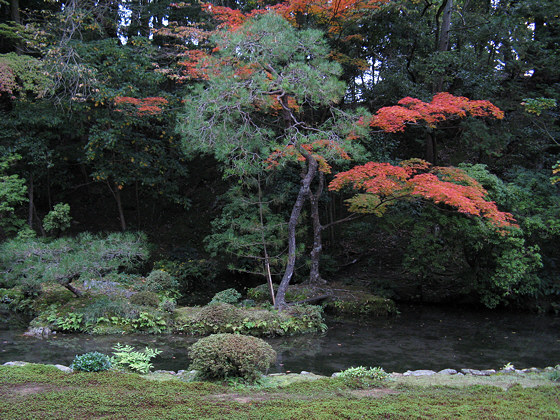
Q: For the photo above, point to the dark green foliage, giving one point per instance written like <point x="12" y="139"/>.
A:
<point x="223" y="356"/>
<point x="65" y="260"/>
<point x="91" y="362"/>
<point x="145" y="299"/>
<point x="230" y="296"/>
<point x="365" y="305"/>
<point x="12" y="195"/>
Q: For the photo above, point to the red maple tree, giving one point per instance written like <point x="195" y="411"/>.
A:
<point x="444" y="106"/>
<point x="384" y="183"/>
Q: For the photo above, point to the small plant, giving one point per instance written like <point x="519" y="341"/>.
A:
<point x="230" y="296"/>
<point x="91" y="362"/>
<point x="362" y="377"/>
<point x="70" y="322"/>
<point x="126" y="358"/>
<point x="149" y="322"/>
<point x="508" y="367"/>
<point x="554" y="375"/>
<point x="223" y="356"/>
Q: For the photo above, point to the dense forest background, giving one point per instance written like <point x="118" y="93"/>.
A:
<point x="102" y="110"/>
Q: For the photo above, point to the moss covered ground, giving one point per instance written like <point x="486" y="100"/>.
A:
<point x="38" y="391"/>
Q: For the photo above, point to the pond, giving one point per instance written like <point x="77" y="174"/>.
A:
<point x="419" y="338"/>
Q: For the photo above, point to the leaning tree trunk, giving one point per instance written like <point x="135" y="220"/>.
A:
<point x="314" y="273"/>
<point x="292" y="224"/>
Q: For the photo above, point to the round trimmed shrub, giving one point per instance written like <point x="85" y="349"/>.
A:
<point x="221" y="356"/>
<point x="145" y="299"/>
<point x="159" y="280"/>
<point x="216" y="316"/>
<point x="91" y="362"/>
<point x="230" y="296"/>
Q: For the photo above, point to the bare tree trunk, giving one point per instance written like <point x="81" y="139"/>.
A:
<point x="30" y="204"/>
<point x="292" y="224"/>
<point x="117" y="195"/>
<point x="431" y="148"/>
<point x="265" y="250"/>
<point x="316" y="251"/>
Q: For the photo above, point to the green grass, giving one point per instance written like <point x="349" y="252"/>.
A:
<point x="37" y="391"/>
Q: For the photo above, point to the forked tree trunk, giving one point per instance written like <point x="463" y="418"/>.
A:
<point x="292" y="224"/>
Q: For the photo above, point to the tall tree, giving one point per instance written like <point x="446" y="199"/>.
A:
<point x="272" y="88"/>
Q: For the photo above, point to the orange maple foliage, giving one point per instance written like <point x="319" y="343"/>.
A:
<point x="417" y="178"/>
<point x="443" y="106"/>
<point x="335" y="14"/>
<point x="313" y="149"/>
<point x="140" y="106"/>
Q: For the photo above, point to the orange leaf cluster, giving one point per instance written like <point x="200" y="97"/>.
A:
<point x="230" y="18"/>
<point x="336" y="14"/>
<point x="417" y="178"/>
<point x="142" y="106"/>
<point x="443" y="106"/>
<point x="194" y="64"/>
<point x="312" y="148"/>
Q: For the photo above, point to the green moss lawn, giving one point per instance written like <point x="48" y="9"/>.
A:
<point x="44" y="392"/>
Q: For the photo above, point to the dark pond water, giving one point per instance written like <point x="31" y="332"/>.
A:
<point x="419" y="338"/>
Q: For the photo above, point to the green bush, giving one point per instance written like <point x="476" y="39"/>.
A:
<point x="126" y="358"/>
<point x="91" y="362"/>
<point x="222" y="356"/>
<point x="58" y="219"/>
<point x="230" y="296"/>
<point x="362" y="377"/>
<point x="145" y="298"/>
<point x="158" y="281"/>
<point x="215" y="316"/>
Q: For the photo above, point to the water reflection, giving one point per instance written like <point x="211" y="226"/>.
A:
<point x="420" y="338"/>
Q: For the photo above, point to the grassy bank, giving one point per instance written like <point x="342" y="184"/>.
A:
<point x="38" y="391"/>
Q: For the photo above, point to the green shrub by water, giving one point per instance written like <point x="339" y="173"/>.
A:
<point x="230" y="296"/>
<point x="222" y="356"/>
<point x="362" y="377"/>
<point x="91" y="362"/>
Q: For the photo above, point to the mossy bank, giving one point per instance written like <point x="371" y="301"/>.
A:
<point x="38" y="391"/>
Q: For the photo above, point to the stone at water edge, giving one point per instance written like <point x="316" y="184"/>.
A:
<point x="64" y="368"/>
<point x="476" y="372"/>
<point x="16" y="363"/>
<point x="447" y="372"/>
<point x="419" y="373"/>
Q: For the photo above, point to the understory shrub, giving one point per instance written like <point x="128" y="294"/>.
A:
<point x="91" y="362"/>
<point x="230" y="296"/>
<point x="160" y="281"/>
<point x="222" y="356"/>
<point x="126" y="358"/>
<point x="145" y="298"/>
